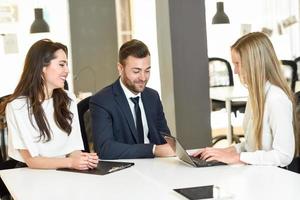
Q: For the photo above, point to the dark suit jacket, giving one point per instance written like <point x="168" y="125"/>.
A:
<point x="114" y="132"/>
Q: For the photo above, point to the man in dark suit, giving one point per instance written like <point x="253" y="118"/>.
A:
<point x="127" y="117"/>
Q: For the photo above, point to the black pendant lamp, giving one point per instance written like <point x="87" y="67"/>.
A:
<point x="220" y="17"/>
<point x="39" y="25"/>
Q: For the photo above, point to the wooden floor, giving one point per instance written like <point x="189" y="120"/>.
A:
<point x="219" y="125"/>
<point x="223" y="131"/>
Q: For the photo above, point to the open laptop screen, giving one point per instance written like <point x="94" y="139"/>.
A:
<point x="184" y="156"/>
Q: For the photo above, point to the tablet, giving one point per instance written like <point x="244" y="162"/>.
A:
<point x="200" y="192"/>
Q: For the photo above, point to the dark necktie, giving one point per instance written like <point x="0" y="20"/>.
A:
<point x="138" y="119"/>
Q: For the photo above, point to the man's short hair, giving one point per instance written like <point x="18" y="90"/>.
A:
<point x="135" y="48"/>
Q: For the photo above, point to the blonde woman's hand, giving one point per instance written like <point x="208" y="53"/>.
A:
<point x="225" y="155"/>
<point x="198" y="152"/>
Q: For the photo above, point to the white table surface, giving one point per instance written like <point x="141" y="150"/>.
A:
<point x="153" y="179"/>
<point x="228" y="94"/>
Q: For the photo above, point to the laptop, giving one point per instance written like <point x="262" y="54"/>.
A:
<point x="184" y="156"/>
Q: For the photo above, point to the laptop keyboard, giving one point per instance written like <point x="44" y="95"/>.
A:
<point x="203" y="163"/>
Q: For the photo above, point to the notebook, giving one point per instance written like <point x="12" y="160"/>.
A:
<point x="104" y="167"/>
<point x="184" y="156"/>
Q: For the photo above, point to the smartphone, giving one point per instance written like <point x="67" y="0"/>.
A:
<point x="200" y="192"/>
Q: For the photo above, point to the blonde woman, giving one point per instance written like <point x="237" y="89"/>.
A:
<point x="269" y="118"/>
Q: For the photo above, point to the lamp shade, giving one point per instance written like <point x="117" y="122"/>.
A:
<point x="39" y="25"/>
<point x="220" y="17"/>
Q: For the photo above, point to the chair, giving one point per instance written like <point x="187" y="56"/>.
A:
<point x="220" y="72"/>
<point x="220" y="75"/>
<point x="5" y="162"/>
<point x="295" y="165"/>
<point x="290" y="72"/>
<point x="85" y="122"/>
<point x="3" y="132"/>
<point x="297" y="60"/>
<point x="3" y="136"/>
<point x="66" y="85"/>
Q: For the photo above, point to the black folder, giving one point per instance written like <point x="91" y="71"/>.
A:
<point x="104" y="167"/>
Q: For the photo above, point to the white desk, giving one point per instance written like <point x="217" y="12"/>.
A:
<point x="30" y="184"/>
<point x="153" y="179"/>
<point x="228" y="94"/>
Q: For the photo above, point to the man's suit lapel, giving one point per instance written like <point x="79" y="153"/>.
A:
<point x="123" y="104"/>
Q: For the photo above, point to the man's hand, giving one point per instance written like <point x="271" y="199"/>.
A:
<point x="171" y="141"/>
<point x="163" y="150"/>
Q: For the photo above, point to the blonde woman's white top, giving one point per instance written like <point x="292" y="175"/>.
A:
<point x="278" y="141"/>
<point x="22" y="135"/>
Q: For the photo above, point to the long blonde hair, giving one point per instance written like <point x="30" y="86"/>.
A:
<point x="259" y="64"/>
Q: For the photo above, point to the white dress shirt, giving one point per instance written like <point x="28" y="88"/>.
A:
<point x="278" y="141"/>
<point x="22" y="135"/>
<point x="129" y="95"/>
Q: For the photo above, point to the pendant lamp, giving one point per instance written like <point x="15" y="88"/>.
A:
<point x="220" y="17"/>
<point x="39" y="25"/>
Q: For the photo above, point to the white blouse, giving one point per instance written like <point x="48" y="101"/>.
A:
<point x="278" y="141"/>
<point x="22" y="135"/>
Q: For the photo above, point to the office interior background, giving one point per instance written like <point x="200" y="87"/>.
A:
<point x="93" y="30"/>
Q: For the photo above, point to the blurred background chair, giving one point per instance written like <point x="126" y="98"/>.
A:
<point x="290" y="72"/>
<point x="220" y="75"/>
<point x="220" y="72"/>
<point x="85" y="123"/>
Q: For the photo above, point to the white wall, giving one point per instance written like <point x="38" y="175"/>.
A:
<point x="56" y="13"/>
<point x="258" y="13"/>
<point x="144" y="29"/>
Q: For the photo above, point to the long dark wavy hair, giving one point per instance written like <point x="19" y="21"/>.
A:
<point x="32" y="86"/>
